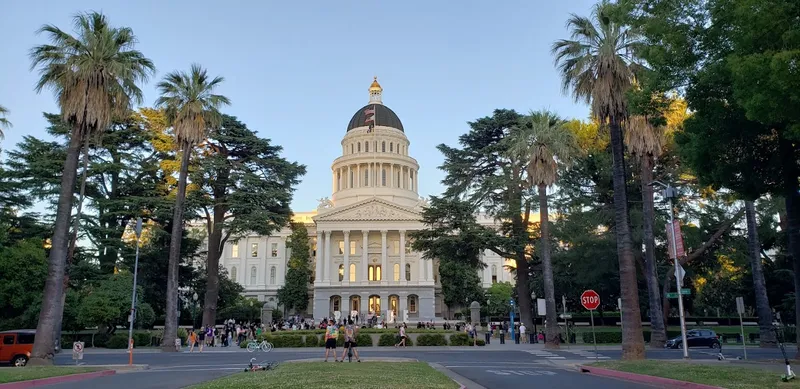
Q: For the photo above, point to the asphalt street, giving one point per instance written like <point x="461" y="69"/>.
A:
<point x="491" y="367"/>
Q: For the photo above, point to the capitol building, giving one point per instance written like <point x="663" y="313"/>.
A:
<point x="362" y="258"/>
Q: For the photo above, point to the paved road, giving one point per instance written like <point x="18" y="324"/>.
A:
<point x="518" y="366"/>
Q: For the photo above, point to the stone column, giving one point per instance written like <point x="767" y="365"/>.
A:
<point x="364" y="258"/>
<point x="327" y="267"/>
<point x="391" y="175"/>
<point x="421" y="277"/>
<point x="346" y="279"/>
<point x="384" y="269"/>
<point x="318" y="276"/>
<point x="403" y="257"/>
<point x="403" y="296"/>
<point x="429" y="264"/>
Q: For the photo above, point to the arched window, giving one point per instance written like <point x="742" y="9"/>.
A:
<point x="272" y="272"/>
<point x="233" y="273"/>
<point x="336" y="303"/>
<point x="366" y="177"/>
<point x="396" y="272"/>
<point x="355" y="303"/>
<point x="352" y="272"/>
<point x="341" y="273"/>
<point x="366" y="147"/>
<point x="412" y="304"/>
<point x="408" y="272"/>
<point x="253" y="273"/>
<point x="352" y="179"/>
<point x="494" y="274"/>
<point x="383" y="177"/>
<point x="358" y="147"/>
<point x="374" y="272"/>
<point x="391" y="147"/>
<point x="394" y="303"/>
<point x="383" y="147"/>
<point x="375" y="304"/>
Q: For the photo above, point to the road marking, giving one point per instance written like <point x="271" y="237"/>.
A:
<point x="587" y="354"/>
<point x="521" y="372"/>
<point x="544" y="354"/>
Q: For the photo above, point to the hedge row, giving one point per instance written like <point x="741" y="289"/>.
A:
<point x="365" y="340"/>
<point x="364" y="331"/>
<point x="117" y="341"/>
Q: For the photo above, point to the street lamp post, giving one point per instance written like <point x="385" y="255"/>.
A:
<point x="670" y="193"/>
<point x="194" y="309"/>
<point x="535" y="334"/>
<point x="138" y="232"/>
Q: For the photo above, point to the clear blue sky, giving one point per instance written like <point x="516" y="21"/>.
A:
<point x="296" y="72"/>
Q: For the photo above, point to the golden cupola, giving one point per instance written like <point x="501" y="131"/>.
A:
<point x="375" y="92"/>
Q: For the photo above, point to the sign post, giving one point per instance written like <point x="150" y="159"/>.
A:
<point x="591" y="300"/>
<point x="77" y="351"/>
<point x="740" y="309"/>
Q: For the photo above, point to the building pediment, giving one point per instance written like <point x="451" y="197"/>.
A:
<point x="374" y="209"/>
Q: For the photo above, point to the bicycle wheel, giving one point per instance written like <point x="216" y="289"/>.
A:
<point x="266" y="347"/>
<point x="252" y="346"/>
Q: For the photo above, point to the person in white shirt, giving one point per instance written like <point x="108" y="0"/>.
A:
<point x="522" y="334"/>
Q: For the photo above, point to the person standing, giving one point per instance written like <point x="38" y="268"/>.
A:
<point x="502" y="333"/>
<point x="522" y="337"/>
<point x="402" y="336"/>
<point x="202" y="338"/>
<point x="350" y="340"/>
<point x="331" y="333"/>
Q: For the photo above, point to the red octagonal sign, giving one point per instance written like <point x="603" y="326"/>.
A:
<point x="590" y="300"/>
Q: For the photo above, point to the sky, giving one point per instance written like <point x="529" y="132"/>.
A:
<point x="297" y="72"/>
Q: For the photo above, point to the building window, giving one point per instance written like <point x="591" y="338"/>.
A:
<point x="254" y="250"/>
<point x="274" y="250"/>
<point x="272" y="272"/>
<point x="394" y="301"/>
<point x="341" y="273"/>
<point x="391" y="147"/>
<point x="358" y="147"/>
<point x="383" y="147"/>
<point x="233" y="273"/>
<point x="366" y="177"/>
<point x="355" y="303"/>
<point x="351" y="148"/>
<point x="494" y="274"/>
<point x="408" y="246"/>
<point x="375" y="304"/>
<point x="341" y="247"/>
<point x="366" y="147"/>
<point x="352" y="247"/>
<point x="336" y="303"/>
<point x="408" y="272"/>
<point x="235" y="250"/>
<point x="412" y="304"/>
<point x="383" y="177"/>
<point x="253" y="273"/>
<point x="352" y="272"/>
<point x="396" y="247"/>
<point x="374" y="272"/>
<point x="396" y="272"/>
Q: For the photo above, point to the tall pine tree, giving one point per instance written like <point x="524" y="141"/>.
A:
<point x="294" y="293"/>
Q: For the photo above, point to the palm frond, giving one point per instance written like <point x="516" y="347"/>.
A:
<point x="4" y="123"/>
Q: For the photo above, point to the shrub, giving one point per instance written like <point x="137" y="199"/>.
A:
<point x="364" y="340"/>
<point x="460" y="339"/>
<point x="603" y="337"/>
<point x="311" y="341"/>
<point x="118" y="341"/>
<point x="481" y="342"/>
<point x="141" y="339"/>
<point x="286" y="341"/>
<point x="183" y="334"/>
<point x="431" y="340"/>
<point x="389" y="339"/>
<point x="100" y="339"/>
<point x="244" y="344"/>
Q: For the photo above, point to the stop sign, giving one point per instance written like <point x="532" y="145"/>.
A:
<point x="590" y="300"/>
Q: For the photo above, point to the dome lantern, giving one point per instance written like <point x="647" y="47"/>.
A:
<point x="375" y="92"/>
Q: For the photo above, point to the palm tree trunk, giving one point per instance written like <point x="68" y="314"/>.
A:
<point x="632" y="339"/>
<point x="792" y="201"/>
<point x="73" y="241"/>
<point x="43" y="346"/>
<point x="551" y="327"/>
<point x="658" y="332"/>
<point x="171" y="314"/>
<point x="766" y="336"/>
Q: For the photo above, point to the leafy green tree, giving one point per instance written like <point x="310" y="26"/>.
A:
<point x="94" y="75"/>
<point x="108" y="304"/>
<point x="244" y="186"/>
<point x="24" y="268"/>
<point x="192" y="109"/>
<point x="596" y="67"/>
<point x="460" y="282"/>
<point x="229" y="290"/>
<point x="498" y="298"/>
<point x="545" y="142"/>
<point x="293" y="295"/>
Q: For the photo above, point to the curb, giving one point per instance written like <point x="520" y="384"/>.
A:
<point x="463" y="382"/>
<point x="645" y="379"/>
<point x="56" y="380"/>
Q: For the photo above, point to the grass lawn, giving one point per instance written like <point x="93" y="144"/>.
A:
<point x="14" y="374"/>
<point x="367" y="375"/>
<point x="716" y="374"/>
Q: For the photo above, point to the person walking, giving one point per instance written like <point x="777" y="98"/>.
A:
<point x="331" y="333"/>
<point x="201" y="334"/>
<point x="402" y="336"/>
<point x="192" y="339"/>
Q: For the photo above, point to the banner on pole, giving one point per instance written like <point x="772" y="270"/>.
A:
<point x="675" y="230"/>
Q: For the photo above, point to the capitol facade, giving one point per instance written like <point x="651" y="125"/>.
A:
<point x="363" y="263"/>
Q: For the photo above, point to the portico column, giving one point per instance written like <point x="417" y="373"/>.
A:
<point x="346" y="279"/>
<point x="402" y="257"/>
<point x="421" y="263"/>
<point x="318" y="276"/>
<point x="384" y="269"/>
<point x="430" y="270"/>
<point x="364" y="252"/>
<point x="327" y="269"/>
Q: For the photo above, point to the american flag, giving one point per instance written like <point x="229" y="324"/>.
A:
<point x="370" y="115"/>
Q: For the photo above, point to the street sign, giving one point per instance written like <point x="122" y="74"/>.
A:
<point x="565" y="316"/>
<point x="686" y="291"/>
<point x="590" y="300"/>
<point x="541" y="307"/>
<point x="740" y="305"/>
<point x="77" y="350"/>
<point x="680" y="273"/>
<point x="675" y="232"/>
<point x="672" y="295"/>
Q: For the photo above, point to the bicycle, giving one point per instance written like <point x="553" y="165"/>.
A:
<point x="264" y="346"/>
<point x="263" y="366"/>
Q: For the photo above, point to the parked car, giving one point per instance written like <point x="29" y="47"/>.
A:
<point x="16" y="346"/>
<point x="696" y="338"/>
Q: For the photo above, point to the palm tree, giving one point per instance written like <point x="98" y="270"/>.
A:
<point x="645" y="142"/>
<point x="191" y="109"/>
<point x="596" y="67"/>
<point x="4" y="123"/>
<point x="544" y="142"/>
<point x="767" y="337"/>
<point x="94" y="75"/>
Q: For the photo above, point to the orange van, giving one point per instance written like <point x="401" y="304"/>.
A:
<point x="16" y="346"/>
